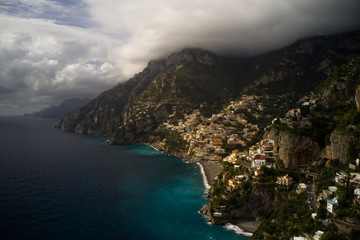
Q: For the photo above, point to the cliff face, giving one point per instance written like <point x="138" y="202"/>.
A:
<point x="332" y="126"/>
<point x="292" y="149"/>
<point x="261" y="202"/>
<point x="340" y="144"/>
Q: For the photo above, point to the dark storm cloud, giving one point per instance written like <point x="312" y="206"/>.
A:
<point x="228" y="26"/>
<point x="52" y="50"/>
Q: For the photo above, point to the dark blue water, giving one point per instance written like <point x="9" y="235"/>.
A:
<point x="56" y="185"/>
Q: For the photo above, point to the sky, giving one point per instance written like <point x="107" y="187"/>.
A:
<point x="52" y="50"/>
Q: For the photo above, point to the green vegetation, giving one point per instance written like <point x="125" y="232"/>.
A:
<point x="174" y="142"/>
<point x="349" y="70"/>
<point x="220" y="193"/>
<point x="292" y="219"/>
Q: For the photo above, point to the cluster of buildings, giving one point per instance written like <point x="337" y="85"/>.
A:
<point x="207" y="137"/>
<point x="262" y="154"/>
<point x="330" y="194"/>
<point x="294" y="116"/>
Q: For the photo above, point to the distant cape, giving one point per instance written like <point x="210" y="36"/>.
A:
<point x="60" y="110"/>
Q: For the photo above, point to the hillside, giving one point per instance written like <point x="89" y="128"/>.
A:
<point x="198" y="79"/>
<point x="279" y="128"/>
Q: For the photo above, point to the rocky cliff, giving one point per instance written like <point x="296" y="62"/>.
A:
<point x="293" y="150"/>
<point x="260" y="203"/>
<point x="331" y="128"/>
<point x="340" y="141"/>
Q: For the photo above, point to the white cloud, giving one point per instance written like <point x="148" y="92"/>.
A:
<point x="40" y="58"/>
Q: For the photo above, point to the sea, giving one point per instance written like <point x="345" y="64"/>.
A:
<point x="59" y="185"/>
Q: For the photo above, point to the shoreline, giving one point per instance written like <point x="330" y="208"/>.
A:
<point x="247" y="226"/>
<point x="239" y="229"/>
<point x="156" y="148"/>
<point x="209" y="171"/>
<point x="205" y="178"/>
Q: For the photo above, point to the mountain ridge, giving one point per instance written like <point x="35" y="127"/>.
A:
<point x="196" y="78"/>
<point x="58" y="111"/>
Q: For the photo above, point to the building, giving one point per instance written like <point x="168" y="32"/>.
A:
<point x="332" y="205"/>
<point x="355" y="178"/>
<point x="340" y="177"/>
<point x="285" y="180"/>
<point x="301" y="188"/>
<point x="258" y="160"/>
<point x="357" y="193"/>
<point x="298" y="238"/>
<point x="317" y="235"/>
<point x="241" y="177"/>
<point x="233" y="157"/>
<point x="233" y="184"/>
<point x="332" y="189"/>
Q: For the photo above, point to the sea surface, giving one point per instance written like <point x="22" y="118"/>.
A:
<point x="57" y="185"/>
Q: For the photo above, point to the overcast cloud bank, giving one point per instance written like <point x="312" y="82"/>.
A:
<point x="53" y="50"/>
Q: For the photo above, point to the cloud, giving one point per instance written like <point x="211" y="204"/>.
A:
<point x="43" y="63"/>
<point x="228" y="26"/>
<point x="55" y="49"/>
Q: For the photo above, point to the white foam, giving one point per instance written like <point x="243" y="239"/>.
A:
<point x="153" y="147"/>
<point x="205" y="218"/>
<point x="237" y="229"/>
<point x="205" y="181"/>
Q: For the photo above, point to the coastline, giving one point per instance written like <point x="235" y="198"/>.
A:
<point x="205" y="178"/>
<point x="155" y="147"/>
<point x="247" y="226"/>
<point x="210" y="170"/>
<point x="241" y="230"/>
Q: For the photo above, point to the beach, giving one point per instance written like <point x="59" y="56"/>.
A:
<point x="244" y="227"/>
<point x="211" y="169"/>
<point x="247" y="225"/>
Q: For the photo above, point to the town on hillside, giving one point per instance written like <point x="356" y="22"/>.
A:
<point x="229" y="138"/>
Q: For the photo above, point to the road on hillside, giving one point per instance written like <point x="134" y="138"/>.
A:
<point x="311" y="195"/>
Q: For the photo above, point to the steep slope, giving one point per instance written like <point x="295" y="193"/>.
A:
<point x="103" y="114"/>
<point x="198" y="79"/>
<point x="183" y="80"/>
<point x="327" y="126"/>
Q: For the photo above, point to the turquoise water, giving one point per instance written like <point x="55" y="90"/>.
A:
<point x="58" y="185"/>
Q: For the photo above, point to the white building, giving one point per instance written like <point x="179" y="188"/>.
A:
<point x="301" y="188"/>
<point x="357" y="193"/>
<point x="318" y="235"/>
<point x="332" y="205"/>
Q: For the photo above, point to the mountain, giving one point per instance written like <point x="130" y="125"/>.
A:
<point x="323" y="135"/>
<point x="198" y="79"/>
<point x="296" y="110"/>
<point x="329" y="124"/>
<point x="62" y="109"/>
